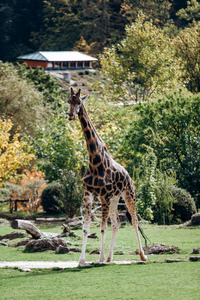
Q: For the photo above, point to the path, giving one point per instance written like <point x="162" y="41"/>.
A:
<point x="28" y="265"/>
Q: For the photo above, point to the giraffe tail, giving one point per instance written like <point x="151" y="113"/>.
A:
<point x="140" y="229"/>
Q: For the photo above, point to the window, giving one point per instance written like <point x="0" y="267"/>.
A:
<point x="72" y="64"/>
<point x="87" y="64"/>
<point x="65" y="65"/>
<point x="57" y="65"/>
<point x="80" y="64"/>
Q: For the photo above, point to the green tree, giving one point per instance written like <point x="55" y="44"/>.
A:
<point x="170" y="126"/>
<point x="142" y="64"/>
<point x="191" y="12"/>
<point x="20" y="100"/>
<point x="48" y="85"/>
<point x="55" y="149"/>
<point x="187" y="44"/>
<point x="154" y="190"/>
<point x="61" y="26"/>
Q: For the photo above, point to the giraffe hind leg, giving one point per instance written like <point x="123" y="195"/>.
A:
<point x="130" y="203"/>
<point x="115" y="224"/>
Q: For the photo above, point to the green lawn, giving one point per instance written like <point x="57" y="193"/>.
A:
<point x="153" y="280"/>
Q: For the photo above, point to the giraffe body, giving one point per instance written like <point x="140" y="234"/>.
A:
<point x="105" y="179"/>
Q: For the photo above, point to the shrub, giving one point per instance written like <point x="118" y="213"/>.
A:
<point x="52" y="198"/>
<point x="184" y="205"/>
<point x="63" y="196"/>
<point x="73" y="193"/>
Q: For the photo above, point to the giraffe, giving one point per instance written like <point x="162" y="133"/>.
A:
<point x="105" y="179"/>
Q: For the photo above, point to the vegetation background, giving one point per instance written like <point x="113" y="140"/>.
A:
<point x="144" y="102"/>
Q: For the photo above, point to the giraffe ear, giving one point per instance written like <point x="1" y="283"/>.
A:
<point x="84" y="98"/>
<point x="72" y="91"/>
<point x="78" y="93"/>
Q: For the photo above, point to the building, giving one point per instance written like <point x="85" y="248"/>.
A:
<point x="58" y="60"/>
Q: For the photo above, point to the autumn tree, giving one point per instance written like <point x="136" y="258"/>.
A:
<point x="12" y="152"/>
<point x="156" y="10"/>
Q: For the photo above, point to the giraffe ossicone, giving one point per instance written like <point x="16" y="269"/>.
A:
<point x="105" y="179"/>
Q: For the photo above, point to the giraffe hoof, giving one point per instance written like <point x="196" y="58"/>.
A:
<point x="143" y="257"/>
<point x="83" y="265"/>
<point x="108" y="260"/>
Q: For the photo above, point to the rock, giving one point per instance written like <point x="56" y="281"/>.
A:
<point x="45" y="244"/>
<point x="74" y="249"/>
<point x="12" y="236"/>
<point x="159" y="249"/>
<point x="119" y="252"/>
<point x="22" y="243"/>
<point x="170" y="260"/>
<point x="196" y="251"/>
<point x="194" y="258"/>
<point x="96" y="251"/>
<point x="195" y="219"/>
<point x="123" y="217"/>
<point x="26" y="270"/>
<point x="62" y="249"/>
<point x="92" y="236"/>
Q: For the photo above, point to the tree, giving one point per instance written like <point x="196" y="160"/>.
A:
<point x="171" y="128"/>
<point x="60" y="27"/>
<point x="48" y="85"/>
<point x="187" y="44"/>
<point x="191" y="12"/>
<point x="156" y="10"/>
<point x="19" y="100"/>
<point x="12" y="152"/>
<point x="82" y="46"/>
<point x="143" y="63"/>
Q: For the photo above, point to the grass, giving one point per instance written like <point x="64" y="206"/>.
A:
<point x="153" y="280"/>
<point x="149" y="281"/>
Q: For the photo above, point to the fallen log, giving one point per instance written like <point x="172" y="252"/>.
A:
<point x="28" y="227"/>
<point x="32" y="229"/>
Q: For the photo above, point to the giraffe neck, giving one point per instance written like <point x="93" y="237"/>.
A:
<point x="93" y="140"/>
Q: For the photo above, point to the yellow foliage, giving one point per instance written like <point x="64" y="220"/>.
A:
<point x="12" y="154"/>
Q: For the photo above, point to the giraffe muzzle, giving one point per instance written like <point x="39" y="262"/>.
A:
<point x="71" y="117"/>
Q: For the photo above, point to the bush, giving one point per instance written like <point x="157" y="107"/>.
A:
<point x="184" y="205"/>
<point x="63" y="196"/>
<point x="52" y="198"/>
<point x="73" y="193"/>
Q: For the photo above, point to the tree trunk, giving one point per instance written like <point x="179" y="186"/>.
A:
<point x="28" y="226"/>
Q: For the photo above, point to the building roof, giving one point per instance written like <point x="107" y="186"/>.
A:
<point x="58" y="56"/>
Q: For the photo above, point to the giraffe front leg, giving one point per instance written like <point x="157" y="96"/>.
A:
<point x="88" y="198"/>
<point x="105" y="209"/>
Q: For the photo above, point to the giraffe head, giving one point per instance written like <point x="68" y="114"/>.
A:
<point x="75" y="101"/>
